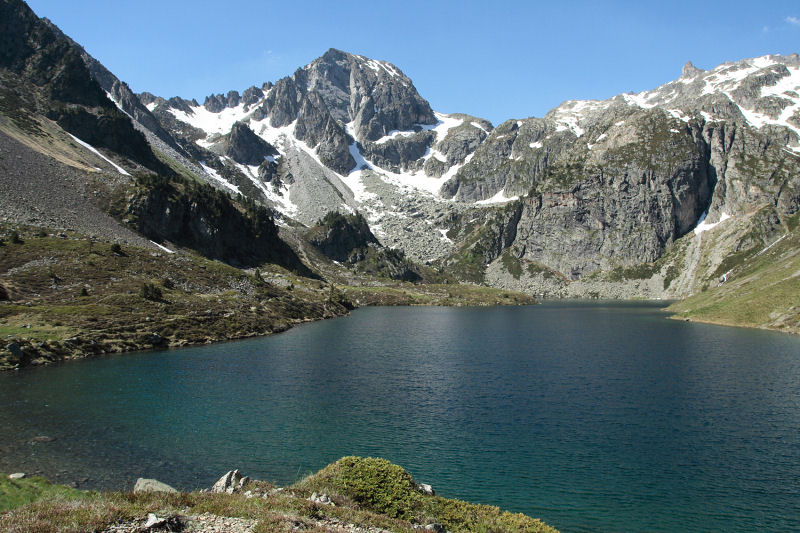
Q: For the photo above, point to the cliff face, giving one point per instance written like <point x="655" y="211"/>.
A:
<point x="205" y="220"/>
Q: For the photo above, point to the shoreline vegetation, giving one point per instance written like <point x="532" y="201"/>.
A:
<point x="67" y="296"/>
<point x="352" y="494"/>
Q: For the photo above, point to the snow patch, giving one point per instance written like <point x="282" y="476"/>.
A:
<point x="702" y="225"/>
<point x="163" y="248"/>
<point x="569" y="123"/>
<point x="212" y="123"/>
<point x="677" y="113"/>
<point x="151" y="106"/>
<point x="639" y="99"/>
<point x="773" y="244"/>
<point x="476" y="125"/>
<point x="537" y="144"/>
<point x="499" y="198"/>
<point x="708" y="116"/>
<point x="94" y="150"/>
<point x="394" y="134"/>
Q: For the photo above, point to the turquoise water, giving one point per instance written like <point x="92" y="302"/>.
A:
<point x="591" y="416"/>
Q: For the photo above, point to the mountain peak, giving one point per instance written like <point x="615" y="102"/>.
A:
<point x="690" y="71"/>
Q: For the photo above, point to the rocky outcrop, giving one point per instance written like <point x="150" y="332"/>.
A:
<point x="338" y="236"/>
<point x="246" y="147"/>
<point x="232" y="481"/>
<point x="206" y="220"/>
<point x="399" y="154"/>
<point x="348" y="239"/>
<point x="118" y="91"/>
<point x="217" y="102"/>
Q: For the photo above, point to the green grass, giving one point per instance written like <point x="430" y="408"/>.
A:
<point x="18" y="492"/>
<point x="512" y="264"/>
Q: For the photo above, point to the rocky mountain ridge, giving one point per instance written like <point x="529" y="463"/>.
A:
<point x="604" y="184"/>
<point x="558" y="205"/>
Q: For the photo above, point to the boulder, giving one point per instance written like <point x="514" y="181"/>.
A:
<point x="151" y="485"/>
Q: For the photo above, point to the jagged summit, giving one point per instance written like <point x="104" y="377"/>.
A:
<point x="689" y="70"/>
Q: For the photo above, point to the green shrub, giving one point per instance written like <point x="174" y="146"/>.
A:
<point x="374" y="483"/>
<point x="150" y="292"/>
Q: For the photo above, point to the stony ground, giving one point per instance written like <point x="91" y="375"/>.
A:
<point x="41" y="191"/>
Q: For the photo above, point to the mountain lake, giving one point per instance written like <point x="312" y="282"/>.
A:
<point x="593" y="416"/>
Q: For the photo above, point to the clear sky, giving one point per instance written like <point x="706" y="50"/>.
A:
<point x="497" y="60"/>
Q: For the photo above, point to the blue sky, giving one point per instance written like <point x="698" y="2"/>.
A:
<point x="499" y="60"/>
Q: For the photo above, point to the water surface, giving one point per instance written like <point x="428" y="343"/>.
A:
<point x="592" y="416"/>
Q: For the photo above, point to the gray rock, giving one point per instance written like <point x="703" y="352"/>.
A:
<point x="426" y="489"/>
<point x="246" y="147"/>
<point x="231" y="482"/>
<point x="322" y="499"/>
<point x="151" y="485"/>
<point x="252" y="95"/>
<point x="690" y="71"/>
<point x="155" y="339"/>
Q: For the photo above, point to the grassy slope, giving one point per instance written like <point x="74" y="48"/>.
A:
<point x="80" y="297"/>
<point x="366" y="492"/>
<point x="762" y="291"/>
